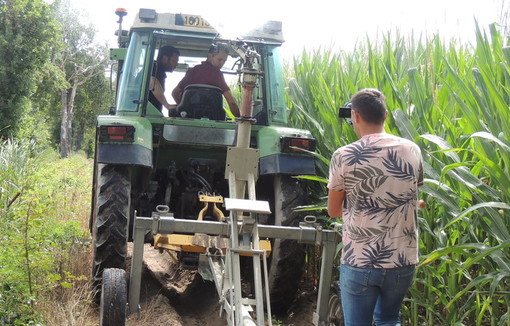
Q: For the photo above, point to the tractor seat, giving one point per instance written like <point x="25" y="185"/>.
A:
<point x="202" y="101"/>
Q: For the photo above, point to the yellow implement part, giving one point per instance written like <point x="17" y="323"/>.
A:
<point x="176" y="242"/>
<point x="214" y="200"/>
<point x="199" y="243"/>
<point x="211" y="199"/>
<point x="202" y="212"/>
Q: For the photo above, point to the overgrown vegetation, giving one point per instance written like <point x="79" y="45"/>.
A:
<point x="51" y="80"/>
<point x="42" y="202"/>
<point x="51" y="75"/>
<point x="453" y="100"/>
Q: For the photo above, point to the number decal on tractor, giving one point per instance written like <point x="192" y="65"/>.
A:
<point x="191" y="20"/>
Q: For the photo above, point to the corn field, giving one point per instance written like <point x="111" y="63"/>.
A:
<point x="453" y="100"/>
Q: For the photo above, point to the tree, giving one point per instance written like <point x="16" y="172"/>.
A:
<point x="28" y="38"/>
<point x="81" y="61"/>
<point x="92" y="99"/>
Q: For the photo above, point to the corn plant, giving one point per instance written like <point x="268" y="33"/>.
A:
<point x="453" y="100"/>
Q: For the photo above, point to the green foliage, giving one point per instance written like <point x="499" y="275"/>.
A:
<point x="453" y="101"/>
<point x="45" y="50"/>
<point x="93" y="98"/>
<point x="41" y="199"/>
<point x="28" y="38"/>
<point x="81" y="62"/>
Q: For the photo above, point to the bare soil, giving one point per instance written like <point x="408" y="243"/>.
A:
<point x="172" y="295"/>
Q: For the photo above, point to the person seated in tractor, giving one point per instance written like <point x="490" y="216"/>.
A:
<point x="168" y="58"/>
<point x="209" y="73"/>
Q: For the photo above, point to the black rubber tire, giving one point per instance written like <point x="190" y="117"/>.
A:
<point x="335" y="316"/>
<point x="113" y="298"/>
<point x="287" y="258"/>
<point x="111" y="220"/>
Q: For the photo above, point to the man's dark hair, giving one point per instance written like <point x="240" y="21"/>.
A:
<point x="219" y="47"/>
<point x="167" y="51"/>
<point x="370" y="103"/>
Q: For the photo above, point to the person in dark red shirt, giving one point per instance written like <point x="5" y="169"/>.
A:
<point x="209" y="73"/>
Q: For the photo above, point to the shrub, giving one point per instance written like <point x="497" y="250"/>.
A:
<point x="42" y="201"/>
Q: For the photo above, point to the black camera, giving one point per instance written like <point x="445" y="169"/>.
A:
<point x="345" y="111"/>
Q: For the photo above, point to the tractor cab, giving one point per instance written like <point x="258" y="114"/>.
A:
<point x="193" y="36"/>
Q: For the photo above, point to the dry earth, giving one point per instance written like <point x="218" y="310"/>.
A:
<point x="171" y="295"/>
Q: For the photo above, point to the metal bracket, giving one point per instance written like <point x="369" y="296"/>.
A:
<point x="242" y="161"/>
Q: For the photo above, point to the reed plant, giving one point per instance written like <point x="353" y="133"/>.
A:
<point x="454" y="101"/>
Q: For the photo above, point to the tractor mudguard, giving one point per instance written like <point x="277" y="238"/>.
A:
<point x="124" y="140"/>
<point x="124" y="154"/>
<point x="287" y="164"/>
<point x="274" y="159"/>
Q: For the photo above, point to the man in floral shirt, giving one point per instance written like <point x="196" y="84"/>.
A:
<point x="373" y="185"/>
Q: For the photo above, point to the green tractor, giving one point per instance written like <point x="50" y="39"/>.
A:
<point x="145" y="160"/>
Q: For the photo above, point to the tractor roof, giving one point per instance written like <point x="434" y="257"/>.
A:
<point x="196" y="26"/>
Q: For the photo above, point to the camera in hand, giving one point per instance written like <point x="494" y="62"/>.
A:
<point x="345" y="111"/>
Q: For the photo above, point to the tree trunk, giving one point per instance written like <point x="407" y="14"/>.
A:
<point x="63" y="123"/>
<point x="78" y="135"/>
<point x="67" y="120"/>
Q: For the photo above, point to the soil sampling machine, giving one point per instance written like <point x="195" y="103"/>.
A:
<point x="219" y="192"/>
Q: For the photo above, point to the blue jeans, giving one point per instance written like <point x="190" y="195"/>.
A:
<point x="373" y="294"/>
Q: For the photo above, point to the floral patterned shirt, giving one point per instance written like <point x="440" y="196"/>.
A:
<point x="380" y="174"/>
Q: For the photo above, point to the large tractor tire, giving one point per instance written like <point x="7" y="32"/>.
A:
<point x="113" y="298"/>
<point x="111" y="220"/>
<point x="287" y="258"/>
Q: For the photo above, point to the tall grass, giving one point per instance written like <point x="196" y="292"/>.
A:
<point x="42" y="203"/>
<point x="453" y="100"/>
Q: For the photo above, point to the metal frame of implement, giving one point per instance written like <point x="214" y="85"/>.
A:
<point x="227" y="275"/>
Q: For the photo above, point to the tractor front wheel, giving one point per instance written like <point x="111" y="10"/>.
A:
<point x="113" y="297"/>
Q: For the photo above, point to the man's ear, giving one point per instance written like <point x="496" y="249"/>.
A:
<point x="355" y="116"/>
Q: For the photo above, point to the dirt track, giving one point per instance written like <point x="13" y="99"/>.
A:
<point x="184" y="299"/>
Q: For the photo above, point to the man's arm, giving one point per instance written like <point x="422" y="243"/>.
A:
<point x="177" y="94"/>
<point x="335" y="203"/>
<point x="232" y="103"/>
<point x="157" y="90"/>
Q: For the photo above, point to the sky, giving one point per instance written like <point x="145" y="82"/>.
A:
<point x="336" y="24"/>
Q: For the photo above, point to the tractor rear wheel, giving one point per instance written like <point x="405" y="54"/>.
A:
<point x="335" y="316"/>
<point x="111" y="220"/>
<point x="113" y="297"/>
<point x="287" y="256"/>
